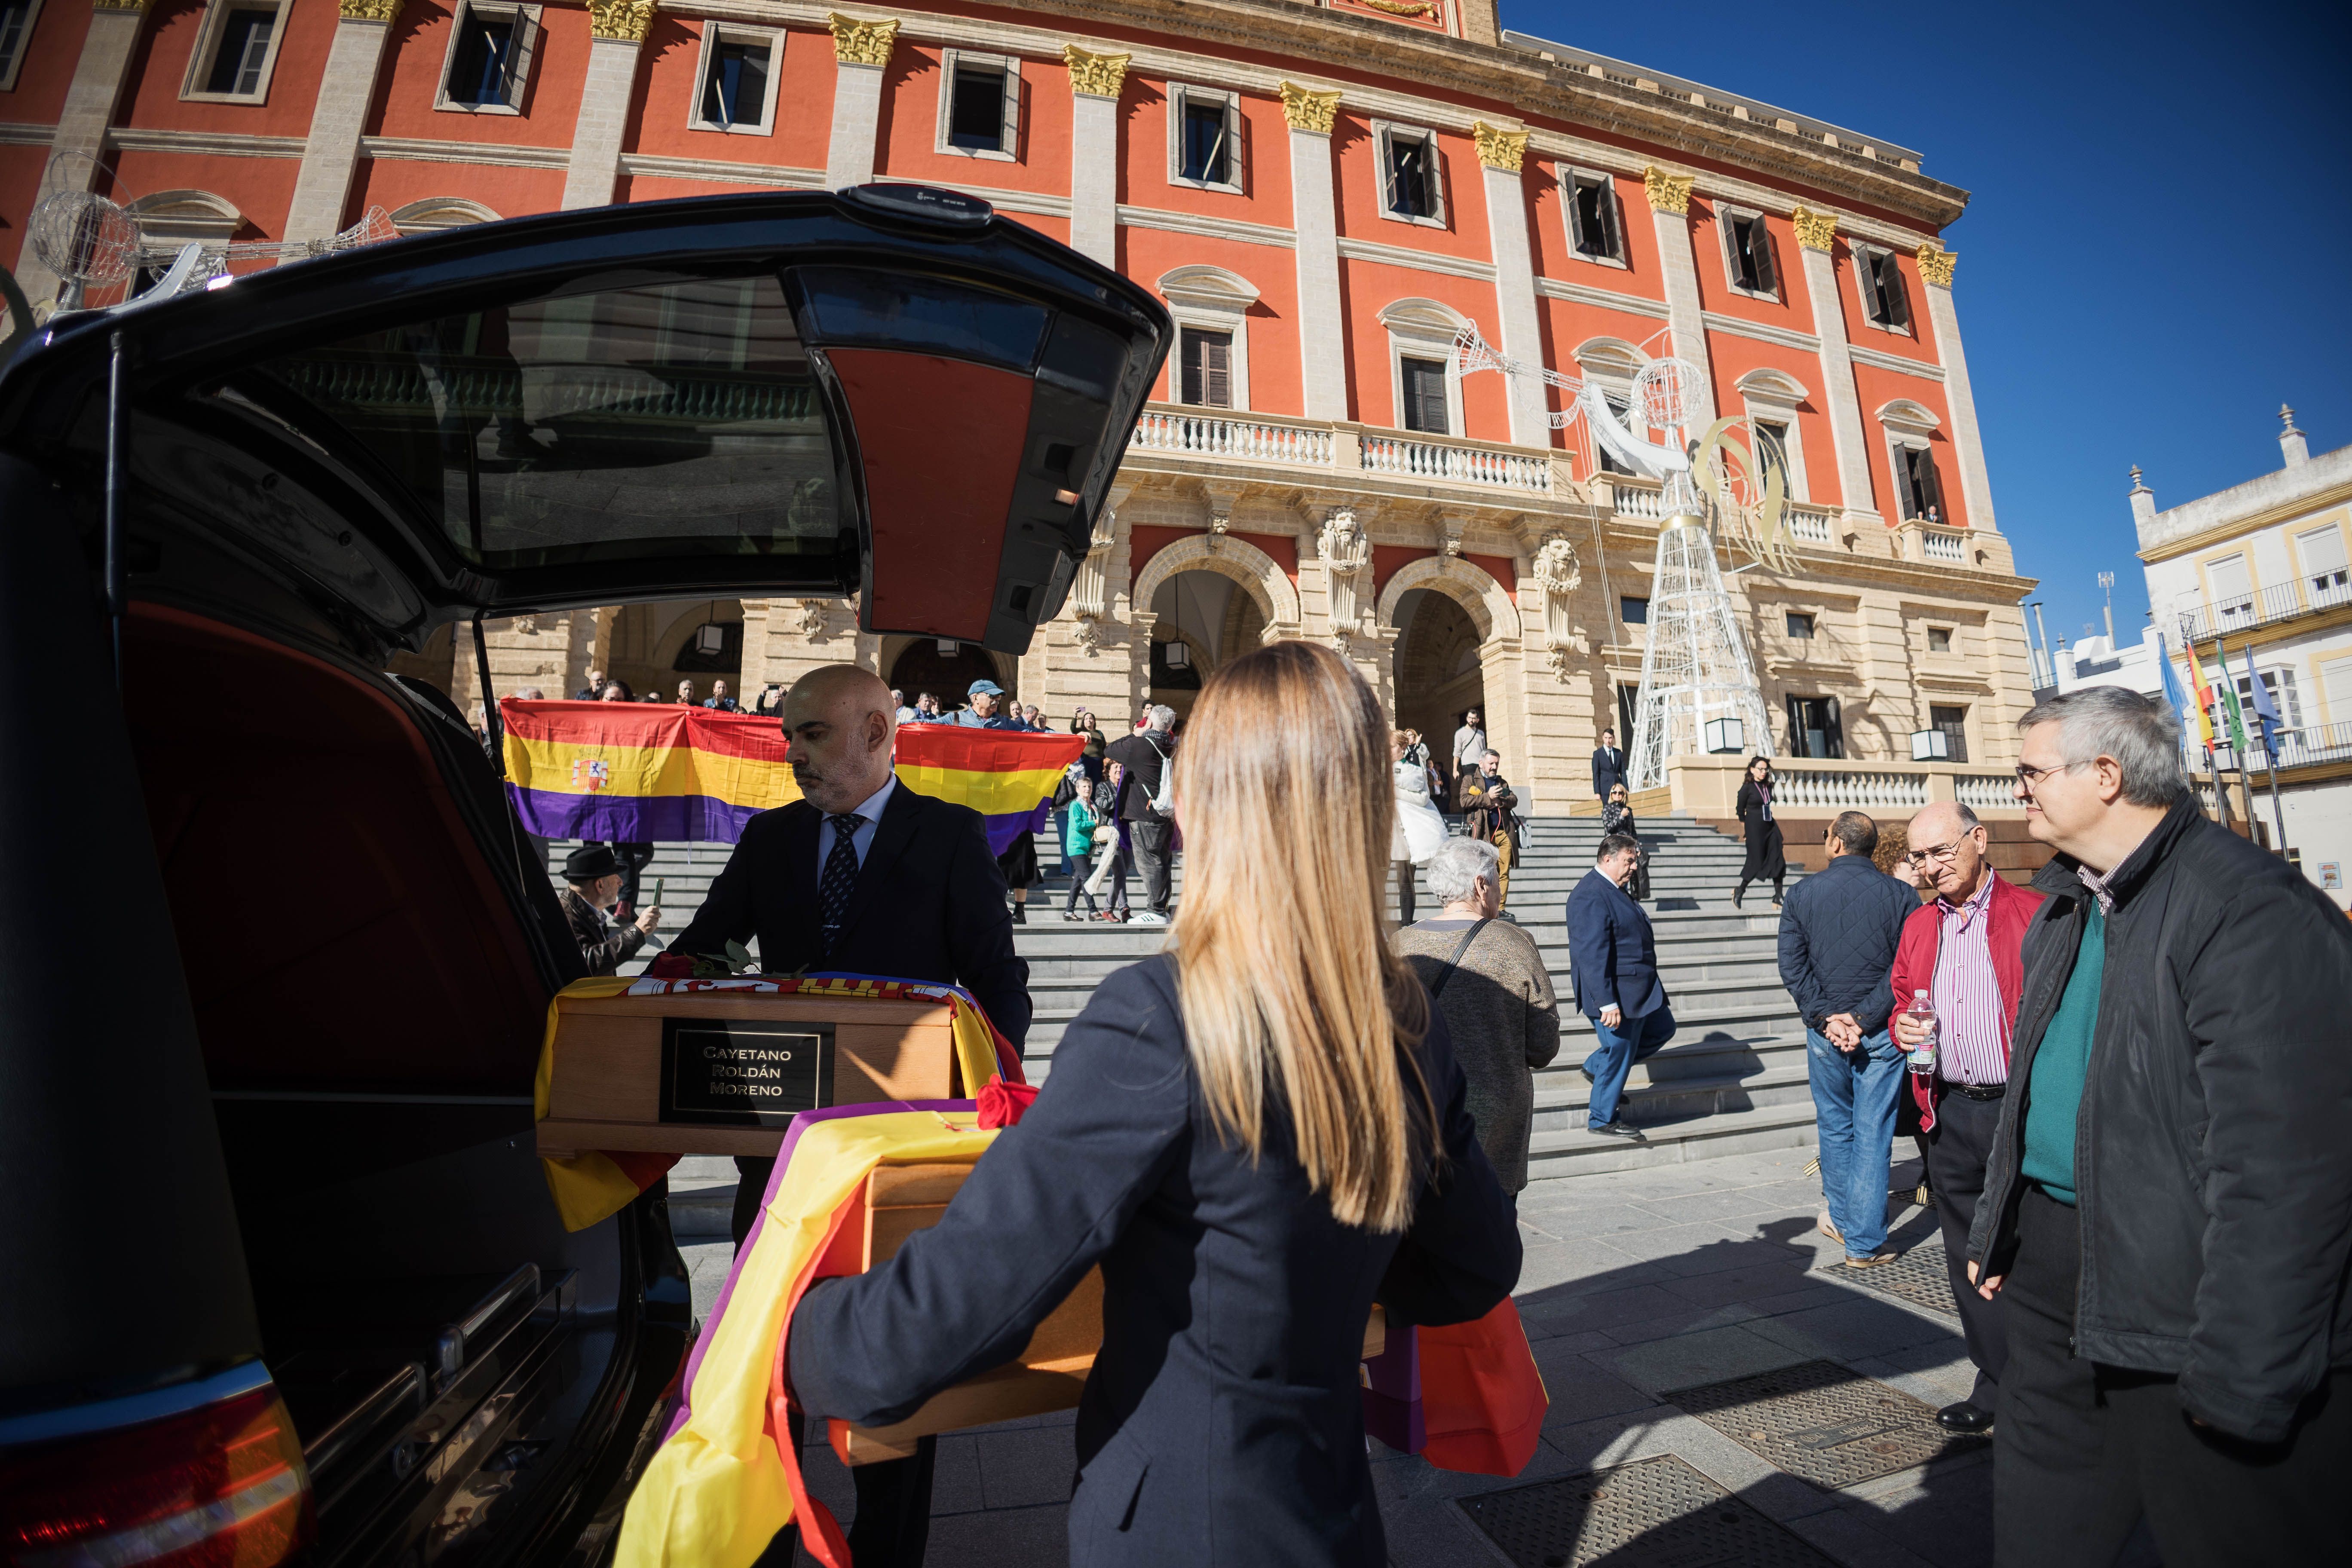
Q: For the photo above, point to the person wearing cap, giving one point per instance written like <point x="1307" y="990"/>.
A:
<point x="594" y="872"/>
<point x="1019" y="861"/>
<point x="987" y="710"/>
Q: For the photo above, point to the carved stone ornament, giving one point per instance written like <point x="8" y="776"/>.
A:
<point x="1815" y="231"/>
<point x="1449" y="528"/>
<point x="1498" y="147"/>
<point x="1087" y="634"/>
<point x="1936" y="264"/>
<point x="375" y="10"/>
<point x="623" y="21"/>
<point x="1346" y="552"/>
<point x="1308" y="109"/>
<point x="1097" y="76"/>
<point x="1668" y="192"/>
<point x="858" y="42"/>
<point x="1403" y="8"/>
<point x="1557" y="570"/>
<point x="812" y="619"/>
<point x="526" y="625"/>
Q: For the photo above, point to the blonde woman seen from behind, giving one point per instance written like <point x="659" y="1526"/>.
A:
<point x="1255" y="1134"/>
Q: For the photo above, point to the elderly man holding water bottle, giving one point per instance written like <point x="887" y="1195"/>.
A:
<point x="1957" y="978"/>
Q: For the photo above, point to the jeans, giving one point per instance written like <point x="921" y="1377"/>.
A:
<point x="1612" y="1062"/>
<point x="1853" y="1102"/>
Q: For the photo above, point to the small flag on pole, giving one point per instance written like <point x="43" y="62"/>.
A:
<point x="2265" y="710"/>
<point x="2237" y="716"/>
<point x="2174" y="696"/>
<point x="2204" y="699"/>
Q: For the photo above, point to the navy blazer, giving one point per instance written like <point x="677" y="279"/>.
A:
<point x="1613" y="956"/>
<point x="1839" y="931"/>
<point x="930" y="903"/>
<point x="1608" y="769"/>
<point x="1223" y="1423"/>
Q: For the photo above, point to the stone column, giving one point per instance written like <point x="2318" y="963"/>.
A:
<point x="1816" y="237"/>
<point x="616" y="30"/>
<point x="1095" y="84"/>
<point x="345" y="91"/>
<point x="98" y="78"/>
<point x="1935" y="266"/>
<point x="1501" y="154"/>
<point x="1322" y="336"/>
<point x="1670" y="210"/>
<point x="861" y="52"/>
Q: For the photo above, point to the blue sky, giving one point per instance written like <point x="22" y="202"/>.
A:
<point x="2158" y="249"/>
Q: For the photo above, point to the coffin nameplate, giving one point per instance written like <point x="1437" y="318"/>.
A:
<point x="736" y="1072"/>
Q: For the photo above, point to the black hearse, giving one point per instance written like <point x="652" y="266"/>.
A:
<point x="282" y="1279"/>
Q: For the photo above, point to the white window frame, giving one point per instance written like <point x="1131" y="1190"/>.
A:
<point x="1178" y="95"/>
<point x="1772" y="395"/>
<point x="1009" y="150"/>
<point x="1723" y="216"/>
<point x="1905" y="426"/>
<point x="14" y="63"/>
<point x="1211" y="299"/>
<point x="1424" y="329"/>
<point x="528" y="14"/>
<point x="1569" y="176"/>
<point x="714" y="34"/>
<point x="208" y="40"/>
<point x="1384" y="134"/>
<point x="2304" y="570"/>
<point x="1862" y="290"/>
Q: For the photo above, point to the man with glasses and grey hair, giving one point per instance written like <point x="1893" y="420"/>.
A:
<point x="1142" y="758"/>
<point x="2166" y="1218"/>
<point x="1966" y="951"/>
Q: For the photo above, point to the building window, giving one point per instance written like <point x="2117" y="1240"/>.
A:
<point x="1915" y="483"/>
<point x="1633" y="612"/>
<point x="1772" y="450"/>
<point x="1593" y="230"/>
<point x="1204" y="135"/>
<point x="1423" y="387"/>
<point x="740" y="68"/>
<point x="1939" y="639"/>
<point x="2230" y="591"/>
<point x="1884" y="301"/>
<point x="16" y="19"/>
<point x="980" y="105"/>
<point x="1208" y="376"/>
<point x="1801" y="625"/>
<point x="1813" y="730"/>
<point x="1953" y="723"/>
<point x="2280" y="684"/>
<point x="1411" y="189"/>
<point x="2322" y="551"/>
<point x="1747" y="254"/>
<point x="236" y="48"/>
<point x="490" y="51"/>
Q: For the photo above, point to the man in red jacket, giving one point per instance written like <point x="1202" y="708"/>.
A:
<point x="1963" y="949"/>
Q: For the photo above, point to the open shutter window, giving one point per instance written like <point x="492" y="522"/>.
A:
<point x="1216" y="370"/>
<point x="1604" y="204"/>
<point x="1584" y="217"/>
<point x="1796" y="714"/>
<point x="1759" y="238"/>
<point x="1931" y="485"/>
<point x="1898" y="303"/>
<point x="1832" y="728"/>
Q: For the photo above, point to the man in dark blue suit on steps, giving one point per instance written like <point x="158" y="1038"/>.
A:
<point x="1614" y="961"/>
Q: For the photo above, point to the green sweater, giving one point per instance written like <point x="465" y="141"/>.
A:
<point x="2055" y="1096"/>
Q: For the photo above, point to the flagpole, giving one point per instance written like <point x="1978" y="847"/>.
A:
<point x="2266" y="715"/>
<point x="2227" y="695"/>
<point x="2204" y="706"/>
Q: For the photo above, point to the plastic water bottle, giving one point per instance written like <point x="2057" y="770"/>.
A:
<point x="1921" y="1059"/>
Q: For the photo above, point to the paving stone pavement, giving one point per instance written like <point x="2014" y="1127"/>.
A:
<point x="1635" y="1283"/>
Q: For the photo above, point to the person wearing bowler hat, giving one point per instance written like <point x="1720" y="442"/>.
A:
<point x="594" y="872"/>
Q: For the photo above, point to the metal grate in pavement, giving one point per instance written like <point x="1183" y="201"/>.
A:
<point x="1823" y="1424"/>
<point x="1655" y="1513"/>
<point x="1918" y="1277"/>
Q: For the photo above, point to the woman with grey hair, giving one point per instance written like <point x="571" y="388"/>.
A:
<point x="1488" y="978"/>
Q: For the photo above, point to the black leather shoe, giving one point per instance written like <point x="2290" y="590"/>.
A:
<point x="1617" y="1129"/>
<point x="1968" y="1419"/>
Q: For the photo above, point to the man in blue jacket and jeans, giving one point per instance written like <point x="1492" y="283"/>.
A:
<point x="1612" y="957"/>
<point x="1839" y="931"/>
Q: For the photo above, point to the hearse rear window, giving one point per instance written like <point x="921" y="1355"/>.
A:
<point x="667" y="419"/>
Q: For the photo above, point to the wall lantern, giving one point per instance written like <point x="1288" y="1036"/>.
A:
<point x="1726" y="737"/>
<point x="1930" y="746"/>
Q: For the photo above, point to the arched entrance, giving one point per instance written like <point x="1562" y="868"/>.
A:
<point x="1438" y="674"/>
<point x="1200" y="619"/>
<point x="651" y="647"/>
<point x="921" y="667"/>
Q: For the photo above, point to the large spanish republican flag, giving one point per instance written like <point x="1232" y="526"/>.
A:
<point x="649" y="773"/>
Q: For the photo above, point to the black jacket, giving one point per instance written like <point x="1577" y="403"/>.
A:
<point x="1608" y="769"/>
<point x="1839" y="931"/>
<point x="2212" y="1167"/>
<point x="1142" y="760"/>
<point x="930" y="903"/>
<point x="603" y="946"/>
<point x="1223" y="1423"/>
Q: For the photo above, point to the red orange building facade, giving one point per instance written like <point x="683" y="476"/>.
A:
<point x="1323" y="192"/>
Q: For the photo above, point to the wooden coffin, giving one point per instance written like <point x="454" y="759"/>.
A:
<point x="1052" y="1368"/>
<point x="724" y="1072"/>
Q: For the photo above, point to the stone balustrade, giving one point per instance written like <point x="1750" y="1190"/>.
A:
<point x="1709" y="786"/>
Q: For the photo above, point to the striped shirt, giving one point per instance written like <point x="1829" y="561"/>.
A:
<point x="1969" y="1028"/>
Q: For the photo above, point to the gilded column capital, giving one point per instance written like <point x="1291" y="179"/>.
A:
<point x="1500" y="149"/>
<point x="859" y="42"/>
<point x="1668" y="192"/>
<point x="621" y="21"/>
<point x="1815" y="231"/>
<point x="1936" y="264"/>
<point x="369" y="10"/>
<point x="118" y="5"/>
<point x="1308" y="109"/>
<point x="1097" y="76"/>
